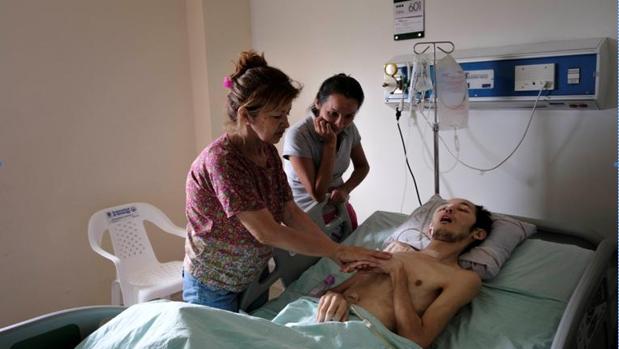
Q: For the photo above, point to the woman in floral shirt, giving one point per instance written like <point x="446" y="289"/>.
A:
<point x="239" y="205"/>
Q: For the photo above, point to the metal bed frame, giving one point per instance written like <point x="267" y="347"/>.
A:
<point x="586" y="321"/>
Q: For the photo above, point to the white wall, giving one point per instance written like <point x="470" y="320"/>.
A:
<point x="564" y="171"/>
<point x="95" y="111"/>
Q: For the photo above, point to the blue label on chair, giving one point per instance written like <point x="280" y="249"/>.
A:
<point x="116" y="215"/>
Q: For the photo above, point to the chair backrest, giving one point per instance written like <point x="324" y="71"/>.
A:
<point x="125" y="224"/>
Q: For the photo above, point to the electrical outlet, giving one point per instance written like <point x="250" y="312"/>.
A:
<point x="533" y="77"/>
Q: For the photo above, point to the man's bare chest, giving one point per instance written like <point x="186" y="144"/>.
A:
<point x="426" y="280"/>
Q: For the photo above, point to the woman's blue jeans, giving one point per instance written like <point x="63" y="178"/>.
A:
<point x="195" y="292"/>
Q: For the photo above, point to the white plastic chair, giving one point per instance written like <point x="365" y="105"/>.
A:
<point x="140" y="276"/>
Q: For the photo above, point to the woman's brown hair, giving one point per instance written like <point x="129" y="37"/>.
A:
<point x="255" y="85"/>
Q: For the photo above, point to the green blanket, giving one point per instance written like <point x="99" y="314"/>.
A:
<point x="520" y="308"/>
<point x="165" y="324"/>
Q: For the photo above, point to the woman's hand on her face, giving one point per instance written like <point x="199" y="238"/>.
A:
<point x="352" y="258"/>
<point x="324" y="130"/>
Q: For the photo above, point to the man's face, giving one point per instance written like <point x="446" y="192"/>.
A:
<point x="453" y="221"/>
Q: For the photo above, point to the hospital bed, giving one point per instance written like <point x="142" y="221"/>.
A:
<point x="552" y="293"/>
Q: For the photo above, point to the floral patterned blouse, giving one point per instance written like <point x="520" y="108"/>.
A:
<point x="221" y="183"/>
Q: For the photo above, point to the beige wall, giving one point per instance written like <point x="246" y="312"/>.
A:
<point x="227" y="27"/>
<point x="219" y="31"/>
<point x="97" y="108"/>
<point x="564" y="170"/>
<point x="198" y="67"/>
<point x="95" y="112"/>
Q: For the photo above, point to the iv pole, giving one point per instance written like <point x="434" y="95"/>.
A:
<point x="435" y="45"/>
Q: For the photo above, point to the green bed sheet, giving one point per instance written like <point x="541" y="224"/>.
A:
<point x="178" y="325"/>
<point x="520" y="308"/>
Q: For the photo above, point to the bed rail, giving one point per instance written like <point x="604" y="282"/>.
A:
<point x="588" y="307"/>
<point x="61" y="329"/>
<point x="557" y="232"/>
<point x="587" y="311"/>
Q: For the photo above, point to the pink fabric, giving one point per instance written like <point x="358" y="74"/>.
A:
<point x="353" y="215"/>
<point x="222" y="182"/>
<point x="329" y="216"/>
<point x="227" y="82"/>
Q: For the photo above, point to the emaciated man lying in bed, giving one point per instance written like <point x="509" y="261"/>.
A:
<point x="416" y="293"/>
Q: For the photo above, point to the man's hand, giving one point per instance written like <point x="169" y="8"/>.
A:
<point x="324" y="130"/>
<point x="332" y="307"/>
<point x="352" y="258"/>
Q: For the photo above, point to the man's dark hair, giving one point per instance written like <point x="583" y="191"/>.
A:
<point x="483" y="221"/>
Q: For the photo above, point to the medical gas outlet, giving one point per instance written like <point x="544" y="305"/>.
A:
<point x="534" y="77"/>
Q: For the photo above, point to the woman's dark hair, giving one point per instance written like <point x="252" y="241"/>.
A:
<point x="341" y="84"/>
<point x="256" y="85"/>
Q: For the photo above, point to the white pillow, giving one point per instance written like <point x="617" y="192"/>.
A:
<point x="485" y="259"/>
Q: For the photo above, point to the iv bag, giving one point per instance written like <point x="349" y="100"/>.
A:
<point x="453" y="95"/>
<point x="421" y="79"/>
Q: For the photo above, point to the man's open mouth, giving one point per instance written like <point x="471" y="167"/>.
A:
<point x="446" y="219"/>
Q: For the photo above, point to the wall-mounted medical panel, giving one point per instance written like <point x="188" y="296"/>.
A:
<point x="395" y="83"/>
<point x="572" y="74"/>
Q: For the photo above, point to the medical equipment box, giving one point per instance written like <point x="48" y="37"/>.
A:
<point x="568" y="74"/>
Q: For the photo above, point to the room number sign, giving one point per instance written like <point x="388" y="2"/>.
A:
<point x="408" y="19"/>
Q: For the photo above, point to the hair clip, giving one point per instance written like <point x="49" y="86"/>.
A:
<point x="227" y="82"/>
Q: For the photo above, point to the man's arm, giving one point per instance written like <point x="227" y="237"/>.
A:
<point x="333" y="306"/>
<point x="423" y="330"/>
